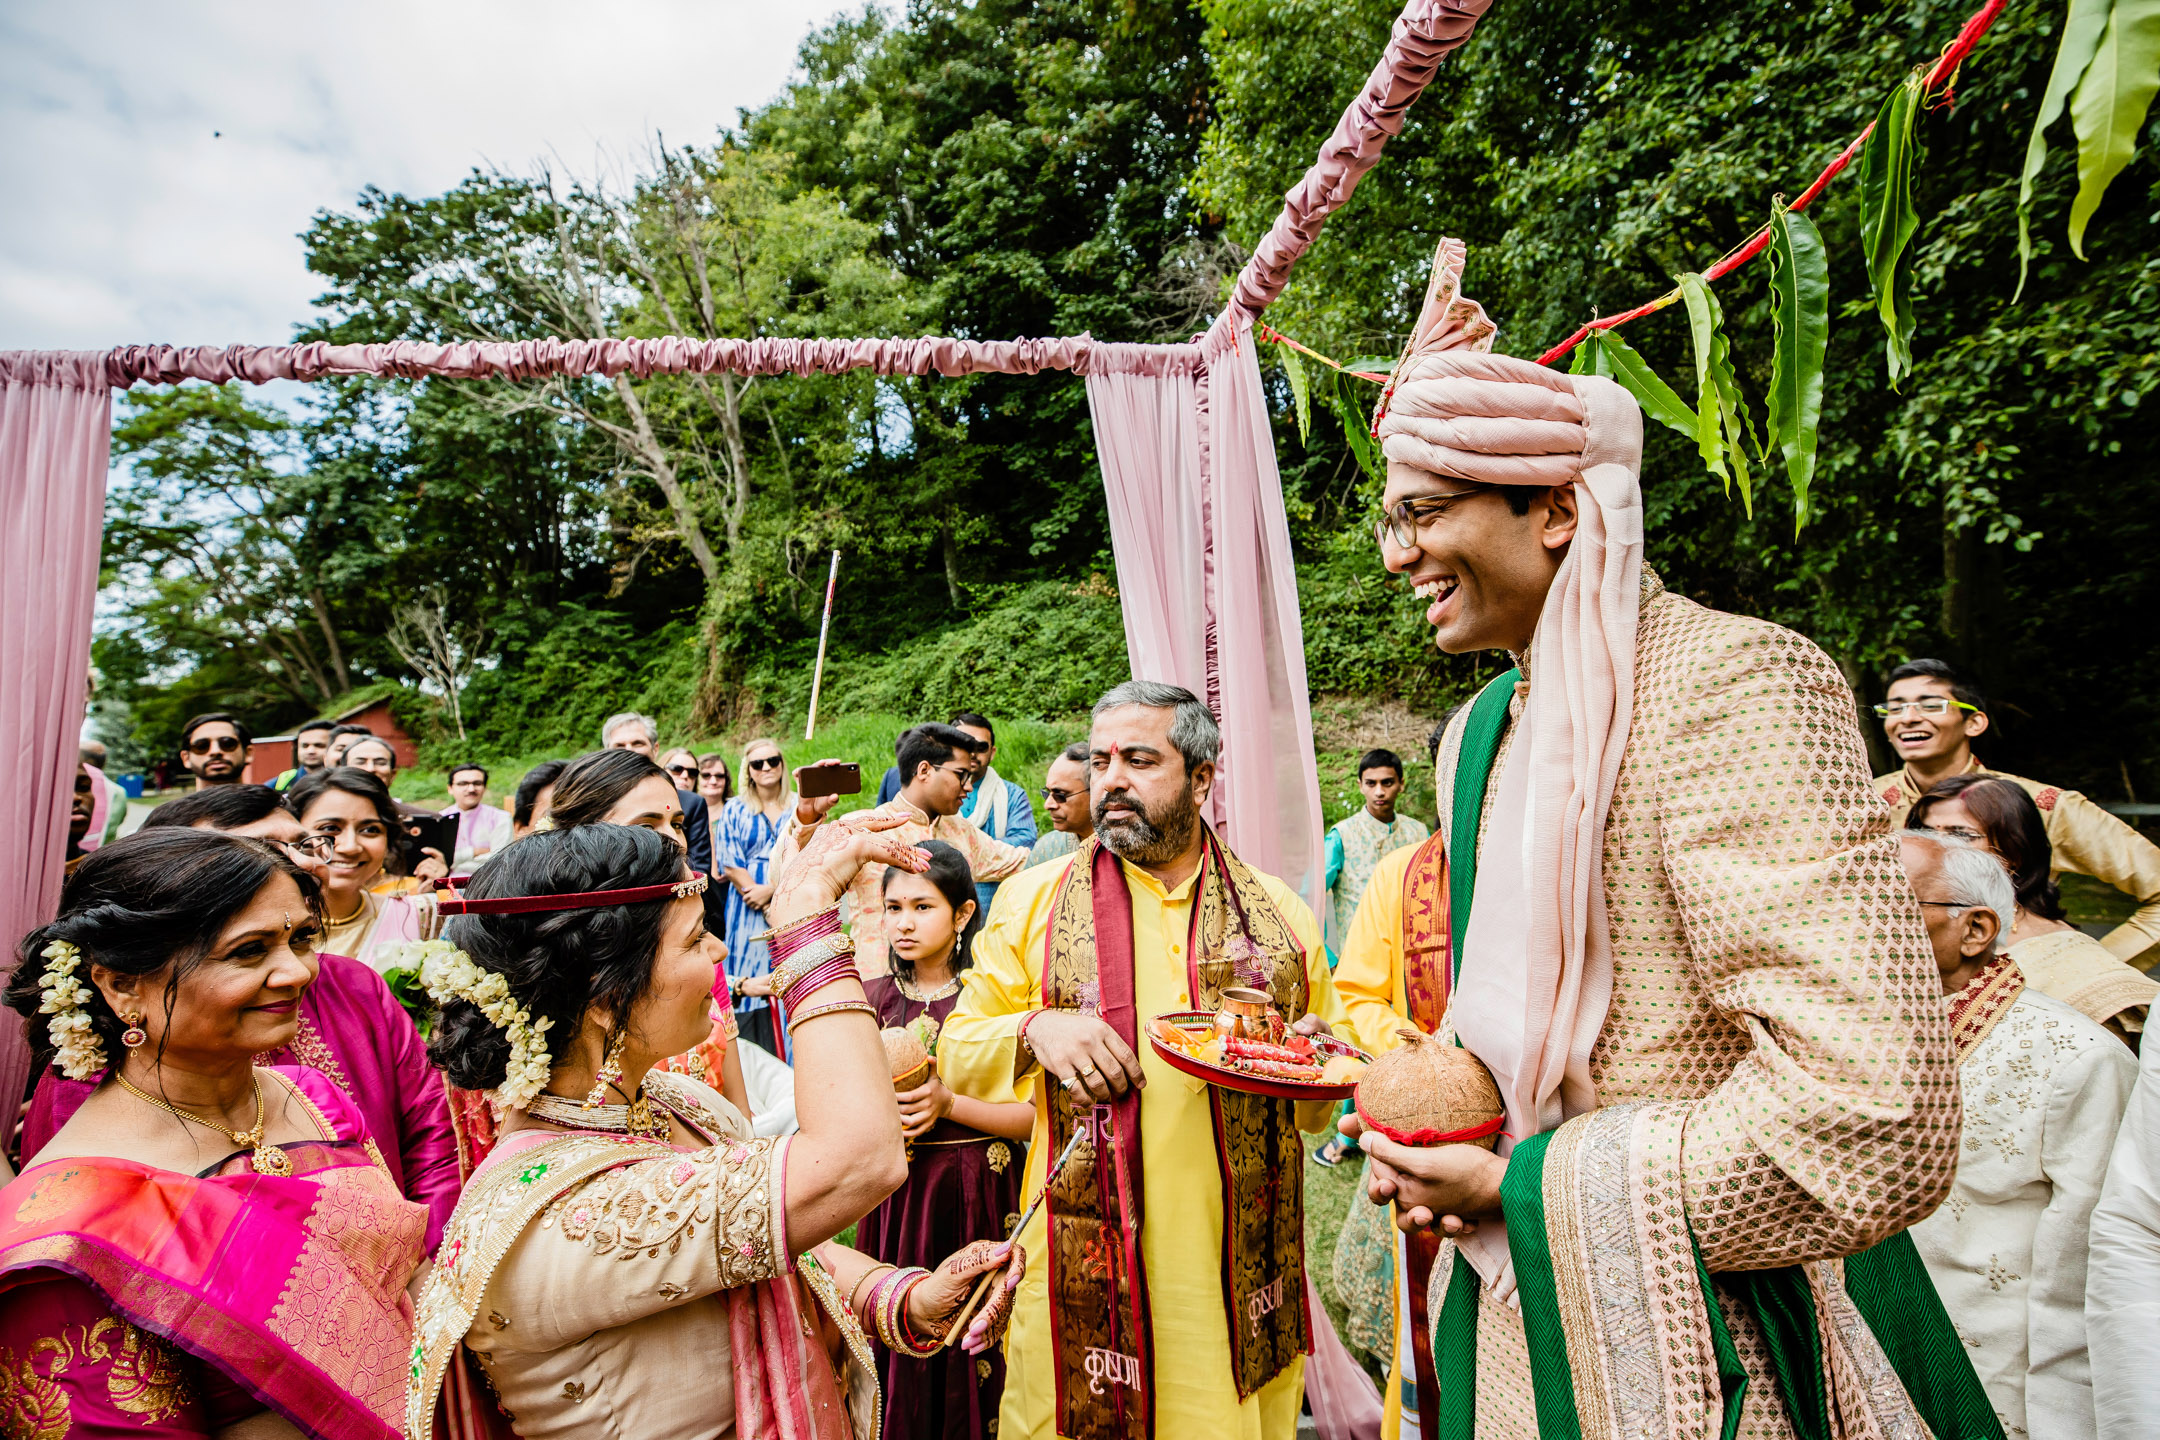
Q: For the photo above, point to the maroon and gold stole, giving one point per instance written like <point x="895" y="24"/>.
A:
<point x="1986" y="998"/>
<point x="1426" y="951"/>
<point x="1104" y="1353"/>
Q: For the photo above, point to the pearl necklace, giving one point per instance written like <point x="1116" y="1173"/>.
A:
<point x="639" y="1117"/>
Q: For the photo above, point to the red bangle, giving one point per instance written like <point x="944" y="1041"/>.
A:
<point x="1026" y="1021"/>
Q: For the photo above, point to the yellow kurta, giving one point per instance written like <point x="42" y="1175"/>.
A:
<point x="1369" y="972"/>
<point x="1182" y="1239"/>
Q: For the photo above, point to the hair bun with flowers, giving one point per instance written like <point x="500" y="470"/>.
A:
<point x="448" y="974"/>
<point x="81" y="1054"/>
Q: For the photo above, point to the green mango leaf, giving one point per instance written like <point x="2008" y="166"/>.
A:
<point x="1293" y="365"/>
<point x="1357" y="430"/>
<point x="1887" y="217"/>
<point x="1800" y="308"/>
<point x="1618" y="359"/>
<point x="2080" y="38"/>
<point x="1722" y="421"/>
<point x="2108" y="110"/>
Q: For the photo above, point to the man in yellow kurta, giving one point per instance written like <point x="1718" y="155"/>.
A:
<point x="1932" y="715"/>
<point x="1155" y="1353"/>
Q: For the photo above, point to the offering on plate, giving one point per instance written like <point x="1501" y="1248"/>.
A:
<point x="905" y="1053"/>
<point x="1430" y="1092"/>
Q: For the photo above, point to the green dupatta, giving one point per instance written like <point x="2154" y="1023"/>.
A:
<point x="1571" y="1282"/>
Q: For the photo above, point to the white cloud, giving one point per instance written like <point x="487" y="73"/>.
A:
<point x="161" y="160"/>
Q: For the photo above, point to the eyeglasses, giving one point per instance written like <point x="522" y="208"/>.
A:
<point x="967" y="775"/>
<point x="1961" y="832"/>
<point x="1931" y="705"/>
<point x="712" y="774"/>
<point x="1400" y="525"/>
<point x="225" y="743"/>
<point x="1947" y="904"/>
<point x="312" y="844"/>
<point x="770" y="762"/>
<point x="1058" y="797"/>
<point x="683" y="770"/>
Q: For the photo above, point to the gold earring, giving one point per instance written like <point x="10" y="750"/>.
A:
<point x="610" y="1070"/>
<point x="134" y="1036"/>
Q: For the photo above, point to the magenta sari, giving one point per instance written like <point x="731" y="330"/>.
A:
<point x="222" y="1294"/>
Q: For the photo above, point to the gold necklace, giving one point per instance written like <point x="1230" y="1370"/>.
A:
<point x="265" y="1159"/>
<point x="334" y="921"/>
<point x="923" y="997"/>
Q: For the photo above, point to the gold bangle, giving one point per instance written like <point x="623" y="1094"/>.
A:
<point x="856" y="1294"/>
<point x="828" y="1008"/>
<point x="816" y="953"/>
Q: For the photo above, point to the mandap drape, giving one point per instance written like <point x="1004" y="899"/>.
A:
<point x="55" y="439"/>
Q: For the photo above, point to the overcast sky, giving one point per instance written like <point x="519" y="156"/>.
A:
<point x="160" y="160"/>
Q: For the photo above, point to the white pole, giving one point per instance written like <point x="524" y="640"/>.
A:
<point x="817" y="676"/>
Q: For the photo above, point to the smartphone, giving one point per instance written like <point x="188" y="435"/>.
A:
<point x="831" y="777"/>
<point x="437" y="832"/>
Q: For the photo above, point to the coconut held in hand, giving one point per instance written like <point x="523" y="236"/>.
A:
<point x="905" y="1053"/>
<point x="1430" y="1092"/>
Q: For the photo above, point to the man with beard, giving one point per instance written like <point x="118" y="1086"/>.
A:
<point x="214" y="748"/>
<point x="1680" y="938"/>
<point x="1172" y="1298"/>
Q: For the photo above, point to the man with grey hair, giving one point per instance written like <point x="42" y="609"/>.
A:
<point x="1178" y="1285"/>
<point x="2044" y="1090"/>
<point x="632" y="731"/>
<point x="1065" y="802"/>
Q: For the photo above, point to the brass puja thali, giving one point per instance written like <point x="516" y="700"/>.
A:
<point x="1246" y="1046"/>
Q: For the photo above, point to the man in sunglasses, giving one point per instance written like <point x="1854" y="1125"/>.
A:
<point x="1066" y="803"/>
<point x="214" y="748"/>
<point x="1932" y="715"/>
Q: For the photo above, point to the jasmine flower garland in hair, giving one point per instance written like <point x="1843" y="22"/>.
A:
<point x="450" y="974"/>
<point x="81" y="1053"/>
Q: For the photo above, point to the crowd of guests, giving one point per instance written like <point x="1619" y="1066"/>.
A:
<point x="625" y="947"/>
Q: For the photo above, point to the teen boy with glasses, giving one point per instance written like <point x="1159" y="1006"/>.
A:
<point x="1932" y="715"/>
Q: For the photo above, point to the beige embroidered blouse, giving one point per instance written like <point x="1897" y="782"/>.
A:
<point x="607" y="1316"/>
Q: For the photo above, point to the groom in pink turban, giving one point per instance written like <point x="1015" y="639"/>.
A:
<point x="1678" y="935"/>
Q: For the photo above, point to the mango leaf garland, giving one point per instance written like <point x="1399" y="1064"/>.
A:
<point x="2108" y="110"/>
<point x="1352" y="409"/>
<point x="1604" y="353"/>
<point x="2082" y="30"/>
<point x="1887" y="217"/>
<point x="1800" y="307"/>
<point x="1293" y="365"/>
<point x="1722" y="422"/>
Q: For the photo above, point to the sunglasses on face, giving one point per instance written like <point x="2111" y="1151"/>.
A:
<point x="770" y="762"/>
<point x="682" y="770"/>
<point x="1058" y="797"/>
<point x="225" y="743"/>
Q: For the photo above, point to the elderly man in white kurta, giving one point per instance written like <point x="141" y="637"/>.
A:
<point x="2044" y="1091"/>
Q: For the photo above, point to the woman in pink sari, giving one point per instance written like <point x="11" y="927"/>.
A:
<point x="205" y="1244"/>
<point x="630" y="1260"/>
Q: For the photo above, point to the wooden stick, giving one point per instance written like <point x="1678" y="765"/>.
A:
<point x="817" y="676"/>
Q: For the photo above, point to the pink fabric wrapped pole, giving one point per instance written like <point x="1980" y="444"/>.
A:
<point x="55" y="433"/>
<point x="1424" y="34"/>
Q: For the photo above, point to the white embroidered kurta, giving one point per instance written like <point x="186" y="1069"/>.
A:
<point x="2044" y="1093"/>
<point x="2122" y="1292"/>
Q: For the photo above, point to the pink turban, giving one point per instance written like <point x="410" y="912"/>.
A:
<point x="1537" y="956"/>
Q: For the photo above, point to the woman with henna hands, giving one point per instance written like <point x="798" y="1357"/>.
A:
<point x="628" y="1228"/>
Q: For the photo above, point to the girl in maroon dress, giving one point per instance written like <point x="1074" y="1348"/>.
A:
<point x="964" y="1170"/>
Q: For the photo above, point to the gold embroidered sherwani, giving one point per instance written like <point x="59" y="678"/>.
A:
<point x="2087" y="840"/>
<point x="1772" y="974"/>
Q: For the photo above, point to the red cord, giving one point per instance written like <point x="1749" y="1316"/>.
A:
<point x="1945" y="69"/>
